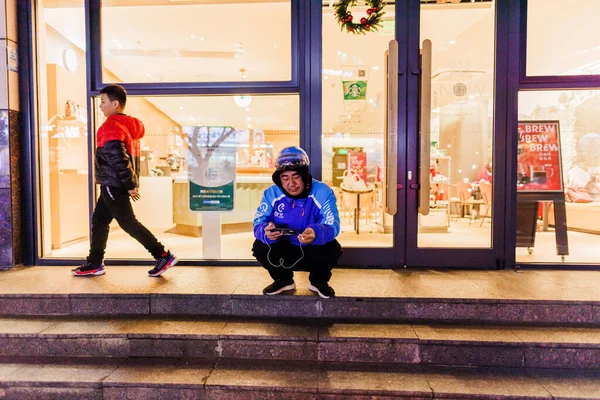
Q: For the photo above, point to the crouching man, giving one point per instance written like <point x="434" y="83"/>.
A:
<point x="296" y="225"/>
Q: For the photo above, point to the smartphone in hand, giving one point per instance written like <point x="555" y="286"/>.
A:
<point x="284" y="231"/>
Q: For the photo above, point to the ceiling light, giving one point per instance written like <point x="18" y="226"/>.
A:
<point x="242" y="101"/>
<point x="452" y="42"/>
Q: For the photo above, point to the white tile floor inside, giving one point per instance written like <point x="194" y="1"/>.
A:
<point x="583" y="248"/>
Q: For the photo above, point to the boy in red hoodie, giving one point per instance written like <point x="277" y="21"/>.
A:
<point x="117" y="168"/>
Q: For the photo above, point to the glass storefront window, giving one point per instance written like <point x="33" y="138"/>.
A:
<point x="579" y="131"/>
<point x="559" y="39"/>
<point x="62" y="125"/>
<point x="179" y="41"/>
<point x="264" y="124"/>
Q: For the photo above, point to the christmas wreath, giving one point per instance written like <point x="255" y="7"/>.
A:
<point x="368" y="23"/>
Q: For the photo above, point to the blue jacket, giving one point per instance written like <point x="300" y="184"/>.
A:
<point x="318" y="211"/>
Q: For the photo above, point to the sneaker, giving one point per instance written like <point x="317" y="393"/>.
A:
<point x="163" y="264"/>
<point x="89" y="269"/>
<point x="278" y="287"/>
<point x="322" y="289"/>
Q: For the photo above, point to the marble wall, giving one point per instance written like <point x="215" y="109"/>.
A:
<point x="10" y="177"/>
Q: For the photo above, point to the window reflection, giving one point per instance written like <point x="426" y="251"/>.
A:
<point x="559" y="40"/>
<point x="196" y="41"/>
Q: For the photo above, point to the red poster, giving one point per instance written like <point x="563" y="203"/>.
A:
<point x="357" y="162"/>
<point x="539" y="167"/>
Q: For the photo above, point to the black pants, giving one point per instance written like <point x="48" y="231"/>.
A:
<point x="115" y="203"/>
<point x="318" y="260"/>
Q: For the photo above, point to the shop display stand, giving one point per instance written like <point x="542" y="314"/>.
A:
<point x="441" y="224"/>
<point x="527" y="212"/>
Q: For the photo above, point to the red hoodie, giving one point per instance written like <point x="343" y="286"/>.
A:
<point x="118" y="151"/>
<point x="128" y="130"/>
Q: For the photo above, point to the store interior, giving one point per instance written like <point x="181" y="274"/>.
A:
<point x="353" y="128"/>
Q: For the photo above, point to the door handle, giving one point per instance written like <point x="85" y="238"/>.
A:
<point x="425" y="128"/>
<point x="391" y="134"/>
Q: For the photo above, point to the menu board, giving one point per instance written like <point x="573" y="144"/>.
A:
<point x="539" y="166"/>
<point x="357" y="163"/>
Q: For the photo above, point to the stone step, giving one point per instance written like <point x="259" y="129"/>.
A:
<point x="400" y="295"/>
<point x="418" y="344"/>
<point x="480" y="311"/>
<point x="153" y="379"/>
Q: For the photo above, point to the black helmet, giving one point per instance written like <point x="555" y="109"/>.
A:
<point x="291" y="158"/>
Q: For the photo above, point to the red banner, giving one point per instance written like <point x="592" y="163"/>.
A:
<point x="357" y="162"/>
<point x="539" y="167"/>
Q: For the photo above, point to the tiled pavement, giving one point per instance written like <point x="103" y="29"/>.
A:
<point x="352" y="283"/>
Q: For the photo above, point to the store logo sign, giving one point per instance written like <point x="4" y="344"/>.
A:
<point x="460" y="89"/>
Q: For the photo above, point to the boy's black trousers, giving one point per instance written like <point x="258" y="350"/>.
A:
<point x="318" y="260"/>
<point x="115" y="203"/>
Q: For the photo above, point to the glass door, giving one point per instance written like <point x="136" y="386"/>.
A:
<point x="361" y="81"/>
<point x="451" y="137"/>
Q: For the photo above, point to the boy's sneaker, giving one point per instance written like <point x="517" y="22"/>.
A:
<point x="322" y="289"/>
<point x="163" y="264"/>
<point x="89" y="269"/>
<point x="279" y="286"/>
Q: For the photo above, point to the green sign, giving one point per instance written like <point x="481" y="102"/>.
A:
<point x="211" y="162"/>
<point x="206" y="198"/>
<point x="355" y="90"/>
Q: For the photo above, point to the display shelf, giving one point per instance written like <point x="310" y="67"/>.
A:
<point x="438" y="219"/>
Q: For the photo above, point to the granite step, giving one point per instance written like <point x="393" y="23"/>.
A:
<point x="153" y="379"/>
<point x="398" y="295"/>
<point x="309" y="306"/>
<point x="323" y="341"/>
